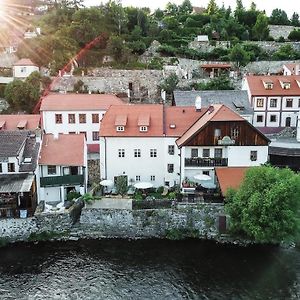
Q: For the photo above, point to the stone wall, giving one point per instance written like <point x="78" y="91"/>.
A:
<point x="276" y="31"/>
<point x="199" y="221"/>
<point x="93" y="171"/>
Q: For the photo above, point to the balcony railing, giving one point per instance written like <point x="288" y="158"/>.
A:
<point x="206" y="162"/>
<point x="62" y="180"/>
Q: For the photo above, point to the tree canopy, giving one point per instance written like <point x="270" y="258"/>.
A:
<point x="266" y="206"/>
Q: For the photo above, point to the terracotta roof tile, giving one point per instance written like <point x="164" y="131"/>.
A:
<point x="217" y="66"/>
<point x="144" y="119"/>
<point x="257" y="88"/>
<point x="230" y="177"/>
<point x="11" y="122"/>
<point x="24" y="62"/>
<point x="68" y="102"/>
<point x="121" y="120"/>
<point x="58" y="151"/>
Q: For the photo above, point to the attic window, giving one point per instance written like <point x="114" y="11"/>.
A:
<point x="143" y="128"/>
<point x="22" y="124"/>
<point x="286" y="85"/>
<point x="120" y="128"/>
<point x="268" y="85"/>
<point x="27" y="160"/>
<point x="238" y="106"/>
<point x="172" y="126"/>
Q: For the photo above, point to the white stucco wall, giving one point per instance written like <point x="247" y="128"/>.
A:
<point x="50" y="126"/>
<point x="239" y="156"/>
<point x="143" y="166"/>
<point x="24" y="71"/>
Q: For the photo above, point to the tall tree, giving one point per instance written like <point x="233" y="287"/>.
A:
<point x="239" y="55"/>
<point x="295" y="19"/>
<point x="212" y="7"/>
<point x="279" y="17"/>
<point x="260" y="30"/>
<point x="185" y="7"/>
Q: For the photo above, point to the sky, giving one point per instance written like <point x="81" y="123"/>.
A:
<point x="268" y="5"/>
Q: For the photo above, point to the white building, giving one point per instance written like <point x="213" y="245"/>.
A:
<point x="76" y="113"/>
<point x="23" y="68"/>
<point x="219" y="138"/>
<point x="62" y="167"/>
<point x="138" y="141"/>
<point x="275" y="100"/>
<point x="291" y="69"/>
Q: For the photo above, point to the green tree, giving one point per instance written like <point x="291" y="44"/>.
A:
<point x="286" y="52"/>
<point x="219" y="83"/>
<point x="121" y="185"/>
<point x="279" y="17"/>
<point x="212" y="7"/>
<point x="295" y="19"/>
<point x="266" y="206"/>
<point x="239" y="55"/>
<point x="294" y="35"/>
<point x="186" y="7"/>
<point x="170" y="83"/>
<point x="260" y="30"/>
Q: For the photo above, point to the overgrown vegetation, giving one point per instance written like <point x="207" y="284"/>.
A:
<point x="266" y="206"/>
<point x="46" y="236"/>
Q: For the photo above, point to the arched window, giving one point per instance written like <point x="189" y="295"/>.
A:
<point x="288" y="122"/>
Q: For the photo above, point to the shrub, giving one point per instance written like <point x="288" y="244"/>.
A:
<point x="73" y="195"/>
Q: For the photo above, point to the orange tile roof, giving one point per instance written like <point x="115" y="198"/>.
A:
<point x="58" y="152"/>
<point x="24" y="62"/>
<point x="133" y="112"/>
<point x="216" y="113"/>
<point x="75" y="102"/>
<point x="216" y="66"/>
<point x="144" y="119"/>
<point x="121" y="120"/>
<point x="11" y="122"/>
<point x="230" y="177"/>
<point x="179" y="119"/>
<point x="257" y="88"/>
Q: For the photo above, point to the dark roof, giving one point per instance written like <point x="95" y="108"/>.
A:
<point x="11" y="142"/>
<point x="31" y="151"/>
<point x="16" y="183"/>
<point x="294" y="152"/>
<point x="234" y="99"/>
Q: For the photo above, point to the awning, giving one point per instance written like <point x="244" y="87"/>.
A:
<point x="230" y="177"/>
<point x="16" y="183"/>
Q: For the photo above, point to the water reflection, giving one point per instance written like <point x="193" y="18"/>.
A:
<point x="152" y="269"/>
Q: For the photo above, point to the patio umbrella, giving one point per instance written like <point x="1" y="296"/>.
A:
<point x="202" y="177"/>
<point x="106" y="182"/>
<point x="208" y="185"/>
<point x="143" y="185"/>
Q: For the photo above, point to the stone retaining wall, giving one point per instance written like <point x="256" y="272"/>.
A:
<point x="199" y="221"/>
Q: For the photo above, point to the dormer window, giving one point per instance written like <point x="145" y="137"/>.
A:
<point x="268" y="84"/>
<point x="120" y="128"/>
<point x="286" y="85"/>
<point x="143" y="128"/>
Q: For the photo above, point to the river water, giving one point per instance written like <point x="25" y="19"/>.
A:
<point x="152" y="269"/>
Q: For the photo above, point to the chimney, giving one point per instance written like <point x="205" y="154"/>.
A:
<point x="298" y="128"/>
<point x="55" y="135"/>
<point x="198" y="103"/>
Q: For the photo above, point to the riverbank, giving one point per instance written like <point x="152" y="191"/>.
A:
<point x="201" y="221"/>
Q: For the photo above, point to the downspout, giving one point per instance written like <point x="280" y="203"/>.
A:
<point x="105" y="157"/>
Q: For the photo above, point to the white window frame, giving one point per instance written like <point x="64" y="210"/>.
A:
<point x="143" y="128"/>
<point x="137" y="152"/>
<point x="120" y="128"/>
<point x="121" y="153"/>
<point x="153" y="152"/>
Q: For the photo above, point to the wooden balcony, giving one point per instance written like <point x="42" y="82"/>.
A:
<point x="62" y="180"/>
<point x="206" y="162"/>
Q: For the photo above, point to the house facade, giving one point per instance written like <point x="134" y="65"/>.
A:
<point x="220" y="138"/>
<point x="275" y="101"/>
<point x="138" y="141"/>
<point x="18" y="168"/>
<point x="62" y="167"/>
<point x="23" y="68"/>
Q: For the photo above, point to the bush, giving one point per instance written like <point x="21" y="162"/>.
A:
<point x="73" y="195"/>
<point x="160" y="189"/>
<point x="172" y="195"/>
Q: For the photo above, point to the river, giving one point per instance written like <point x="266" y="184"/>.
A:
<point x="147" y="269"/>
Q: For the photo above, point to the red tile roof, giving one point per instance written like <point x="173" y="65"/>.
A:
<point x="93" y="148"/>
<point x="257" y="87"/>
<point x="24" y="62"/>
<point x="11" y="122"/>
<point x="133" y="112"/>
<point x="230" y="177"/>
<point x="75" y="102"/>
<point x="216" y="66"/>
<point x="67" y="150"/>
<point x="163" y="121"/>
<point x="216" y="113"/>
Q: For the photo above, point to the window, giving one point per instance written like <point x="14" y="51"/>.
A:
<point x="206" y="173"/>
<point x="259" y="119"/>
<point x="71" y="118"/>
<point x="66" y="170"/>
<point x="82" y="118"/>
<point x="289" y="102"/>
<point x="72" y="132"/>
<point x="218" y="153"/>
<point x="273" y="102"/>
<point x="217" y="132"/>
<point x="137" y="178"/>
<point x="153" y="153"/>
<point x="58" y="118"/>
<point x="253" y="155"/>
<point x="260" y="102"/>
<point x="11" y="167"/>
<point x="194" y="153"/>
<point x="206" y="153"/>
<point x="298" y="102"/>
<point x="273" y="118"/>
<point x="170" y="168"/>
<point x="288" y="122"/>
<point x="171" y="149"/>
<point x="143" y="128"/>
<point x="51" y="170"/>
<point x="1" y="168"/>
<point x="137" y="152"/>
<point x="95" y="118"/>
<point x="152" y="177"/>
<point x="120" y="128"/>
<point x="95" y="136"/>
<point x="23" y="69"/>
<point x="234" y="133"/>
<point x="121" y="152"/>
